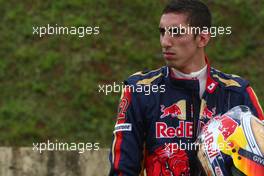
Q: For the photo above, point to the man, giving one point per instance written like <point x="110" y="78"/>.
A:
<point x="157" y="131"/>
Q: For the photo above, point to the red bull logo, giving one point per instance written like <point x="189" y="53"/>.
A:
<point x="184" y="129"/>
<point x="228" y="126"/>
<point x="175" y="110"/>
<point x="209" y="143"/>
<point x="172" y="110"/>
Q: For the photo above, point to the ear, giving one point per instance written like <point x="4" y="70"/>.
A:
<point x="203" y="38"/>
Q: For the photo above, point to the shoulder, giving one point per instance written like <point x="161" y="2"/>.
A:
<point x="229" y="81"/>
<point x="147" y="77"/>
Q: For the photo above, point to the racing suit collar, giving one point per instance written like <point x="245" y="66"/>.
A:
<point x="211" y="84"/>
<point x="184" y="83"/>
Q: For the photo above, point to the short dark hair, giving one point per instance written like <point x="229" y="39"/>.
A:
<point x="198" y="14"/>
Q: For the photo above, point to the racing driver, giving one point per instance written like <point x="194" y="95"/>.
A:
<point x="155" y="132"/>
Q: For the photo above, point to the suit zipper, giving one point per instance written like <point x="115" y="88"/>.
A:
<point x="193" y="115"/>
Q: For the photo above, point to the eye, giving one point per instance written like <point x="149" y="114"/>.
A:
<point x="172" y="31"/>
<point x="162" y="31"/>
<point x="175" y="32"/>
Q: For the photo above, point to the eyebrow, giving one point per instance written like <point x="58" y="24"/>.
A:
<point x="173" y="25"/>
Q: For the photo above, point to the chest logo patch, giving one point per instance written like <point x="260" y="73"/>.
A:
<point x="177" y="109"/>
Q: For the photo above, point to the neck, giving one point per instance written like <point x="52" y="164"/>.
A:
<point x="193" y="75"/>
<point x="196" y="63"/>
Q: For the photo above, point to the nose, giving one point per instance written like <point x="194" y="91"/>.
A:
<point x="165" y="41"/>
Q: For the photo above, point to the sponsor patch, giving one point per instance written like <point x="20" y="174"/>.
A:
<point x="218" y="171"/>
<point x="123" y="127"/>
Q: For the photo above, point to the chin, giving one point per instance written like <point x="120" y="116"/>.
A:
<point x="172" y="64"/>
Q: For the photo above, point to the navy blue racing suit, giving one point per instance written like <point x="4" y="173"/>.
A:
<point x="150" y="126"/>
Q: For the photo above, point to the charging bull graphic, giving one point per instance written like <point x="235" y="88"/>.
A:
<point x="228" y="126"/>
<point x="168" y="161"/>
<point x="175" y="110"/>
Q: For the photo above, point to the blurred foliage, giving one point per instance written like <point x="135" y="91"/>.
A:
<point x="49" y="85"/>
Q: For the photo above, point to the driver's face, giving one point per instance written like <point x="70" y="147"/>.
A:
<point x="178" y="50"/>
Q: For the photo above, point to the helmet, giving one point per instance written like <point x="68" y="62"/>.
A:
<point x="232" y="144"/>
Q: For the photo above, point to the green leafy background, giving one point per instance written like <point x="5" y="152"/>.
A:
<point x="49" y="85"/>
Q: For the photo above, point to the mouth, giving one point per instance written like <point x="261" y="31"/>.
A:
<point x="168" y="55"/>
